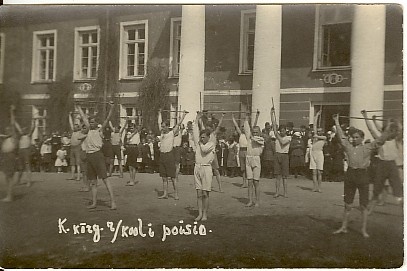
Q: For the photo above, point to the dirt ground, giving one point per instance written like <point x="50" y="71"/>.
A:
<point x="283" y="232"/>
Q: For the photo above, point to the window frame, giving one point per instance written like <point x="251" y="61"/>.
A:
<point x="78" y="52"/>
<point x="319" y="43"/>
<point x="123" y="50"/>
<point x="35" y="78"/>
<point x="244" y="25"/>
<point x="173" y="59"/>
<point x="2" y="48"/>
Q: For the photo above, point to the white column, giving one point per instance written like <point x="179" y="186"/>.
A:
<point x="368" y="38"/>
<point x="267" y="62"/>
<point x="192" y="66"/>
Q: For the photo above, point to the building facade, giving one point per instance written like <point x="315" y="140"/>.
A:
<point x="220" y="58"/>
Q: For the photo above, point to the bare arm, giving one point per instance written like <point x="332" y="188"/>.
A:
<point x="160" y="119"/>
<point x="376" y="123"/>
<point x="370" y="125"/>
<point x="195" y="129"/>
<point x="33" y="124"/>
<point x="176" y="129"/>
<point x="123" y="128"/>
<point x="70" y="120"/>
<point x="219" y="124"/>
<point x="111" y="104"/>
<point x="83" y="116"/>
<point x="339" y="131"/>
<point x="236" y="126"/>
<point x="315" y="126"/>
<point x="246" y="124"/>
<point x="18" y="127"/>
<point x="256" y="118"/>
<point x="111" y="125"/>
<point x="12" y="120"/>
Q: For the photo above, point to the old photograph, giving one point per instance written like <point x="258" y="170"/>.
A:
<point x="201" y="136"/>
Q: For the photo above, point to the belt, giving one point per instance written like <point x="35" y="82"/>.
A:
<point x="203" y="164"/>
<point x="243" y="148"/>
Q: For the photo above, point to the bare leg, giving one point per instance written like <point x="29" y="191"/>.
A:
<point x="11" y="181"/>
<point x="111" y="166"/>
<point x="78" y="178"/>
<point x="174" y="184"/>
<point x="200" y="204"/>
<point x="344" y="227"/>
<point x="315" y="180"/>
<point x="285" y="187"/>
<point x="205" y="204"/>
<point x="250" y="193"/>
<point x="165" y="189"/>
<point x="132" y="172"/>
<point x="278" y="184"/>
<point x="121" y="168"/>
<point x="110" y="190"/>
<point x="319" y="178"/>
<point x="73" y="173"/>
<point x="364" y="222"/>
<point x="217" y="175"/>
<point x="94" y="188"/>
<point x="244" y="185"/>
<point x="257" y="192"/>
<point x="28" y="169"/>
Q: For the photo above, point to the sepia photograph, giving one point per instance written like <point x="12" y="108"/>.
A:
<point x="188" y="136"/>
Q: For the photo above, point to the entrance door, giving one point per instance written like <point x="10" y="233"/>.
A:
<point x="326" y="121"/>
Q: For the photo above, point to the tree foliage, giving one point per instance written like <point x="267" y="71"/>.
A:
<point x="59" y="104"/>
<point x="153" y="95"/>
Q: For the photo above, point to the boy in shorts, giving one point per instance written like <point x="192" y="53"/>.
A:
<point x="167" y="161"/>
<point x="357" y="177"/>
<point x="214" y="131"/>
<point x="75" y="153"/>
<point x="96" y="166"/>
<point x="281" y="163"/>
<point x="255" y="147"/>
<point x="204" y="155"/>
<point x="24" y="151"/>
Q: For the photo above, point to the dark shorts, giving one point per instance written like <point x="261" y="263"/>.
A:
<point x="96" y="166"/>
<point x="24" y="155"/>
<point x="9" y="164"/>
<point x="107" y="149"/>
<point x="281" y="164"/>
<point x="117" y="152"/>
<point x="167" y="164"/>
<point x="357" y="179"/>
<point x="177" y="154"/>
<point x="75" y="155"/>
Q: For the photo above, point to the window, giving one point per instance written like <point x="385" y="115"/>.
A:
<point x="173" y="114"/>
<point x="133" y="51"/>
<point x="40" y="115"/>
<point x="135" y="115"/>
<point x="333" y="36"/>
<point x="175" y="46"/>
<point x="44" y="56"/>
<point x="86" y="52"/>
<point x="247" y="34"/>
<point x="2" y="46"/>
<point x="89" y="110"/>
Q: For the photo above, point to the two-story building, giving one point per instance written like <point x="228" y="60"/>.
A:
<point x="222" y="58"/>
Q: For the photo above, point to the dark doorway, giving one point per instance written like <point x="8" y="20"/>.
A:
<point x="326" y="121"/>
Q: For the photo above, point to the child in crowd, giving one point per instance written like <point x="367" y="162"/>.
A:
<point x="232" y="158"/>
<point x="60" y="162"/>
<point x="190" y="160"/>
<point x="296" y="154"/>
<point x="222" y="152"/>
<point x="46" y="153"/>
